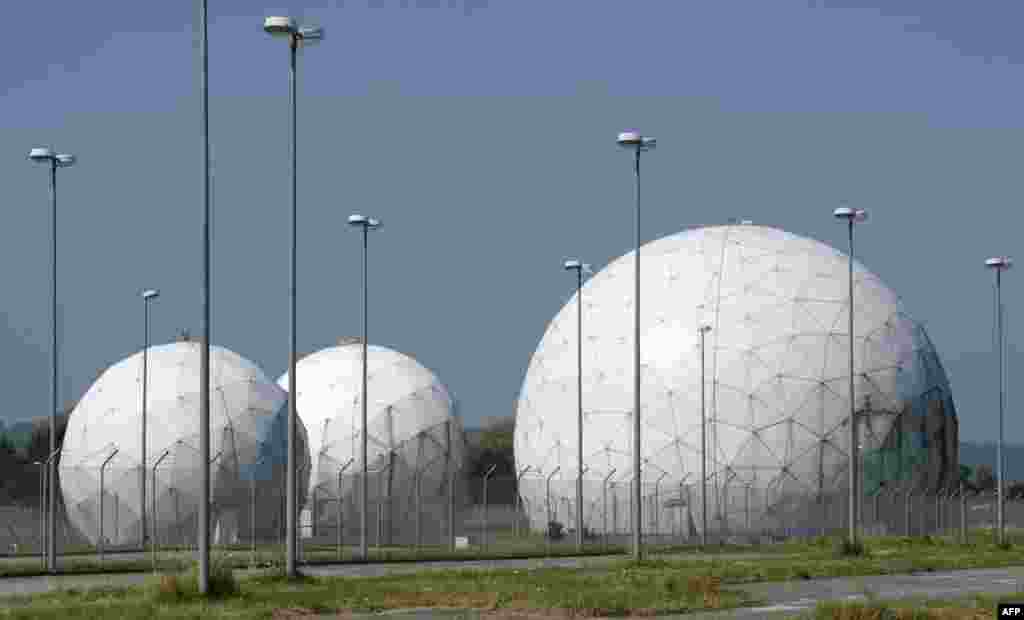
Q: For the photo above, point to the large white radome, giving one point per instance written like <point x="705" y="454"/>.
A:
<point x="777" y="384"/>
<point x="248" y="431"/>
<point x="409" y="416"/>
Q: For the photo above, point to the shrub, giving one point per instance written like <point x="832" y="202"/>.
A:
<point x="848" y="549"/>
<point x="556" y="531"/>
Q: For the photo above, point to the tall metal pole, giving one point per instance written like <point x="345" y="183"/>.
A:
<point x="292" y="537"/>
<point x="204" y="356"/>
<point x="579" y="412"/>
<point x="637" y="491"/>
<point x="1000" y="497"/>
<point x="145" y="384"/>
<point x="703" y="450"/>
<point x="854" y="448"/>
<point x="364" y="541"/>
<point x="51" y="535"/>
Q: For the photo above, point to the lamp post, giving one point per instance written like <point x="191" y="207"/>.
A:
<point x="580" y="268"/>
<point x="366" y="224"/>
<point x="999" y="265"/>
<point x="519" y="491"/>
<point x="287" y="28"/>
<point x="203" y="535"/>
<point x="53" y="160"/>
<point x="147" y="296"/>
<point x="704" y="329"/>
<point x="852" y="216"/>
<point x="633" y="141"/>
<point x="604" y="506"/>
<point x="341" y="530"/>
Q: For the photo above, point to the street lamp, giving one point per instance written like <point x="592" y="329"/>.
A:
<point x="704" y="329"/>
<point x="53" y="160"/>
<point x="633" y="141"/>
<point x="147" y="296"/>
<point x="580" y="268"/>
<point x="852" y="216"/>
<point x="366" y="224"/>
<point x="287" y="28"/>
<point x="203" y="535"/>
<point x="999" y="265"/>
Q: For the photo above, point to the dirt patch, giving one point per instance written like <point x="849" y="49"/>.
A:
<point x="473" y="600"/>
<point x="290" y="613"/>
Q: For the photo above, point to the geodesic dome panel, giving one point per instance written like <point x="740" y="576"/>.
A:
<point x="248" y="434"/>
<point x="414" y="435"/>
<point x="776" y="383"/>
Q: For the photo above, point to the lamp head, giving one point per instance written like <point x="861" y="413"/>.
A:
<point x="41" y="154"/>
<point x="705" y="329"/>
<point x="362" y="221"/>
<point x="572" y="264"/>
<point x="150" y="294"/>
<point x="279" y="26"/>
<point x="633" y="139"/>
<point x="311" y="34"/>
<point x="851" y="214"/>
<point x="1000" y="262"/>
<point x="65" y="160"/>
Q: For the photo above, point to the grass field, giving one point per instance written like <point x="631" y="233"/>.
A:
<point x="673" y="581"/>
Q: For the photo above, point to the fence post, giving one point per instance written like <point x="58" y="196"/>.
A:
<point x="908" y="509"/>
<point x="963" y="514"/>
<point x="487" y="477"/>
<point x="518" y="500"/>
<point x="604" y="508"/>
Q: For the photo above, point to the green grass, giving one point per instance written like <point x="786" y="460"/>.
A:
<point x="974" y="607"/>
<point x="595" y="592"/>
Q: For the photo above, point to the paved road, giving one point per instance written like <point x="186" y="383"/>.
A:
<point x="32" y="585"/>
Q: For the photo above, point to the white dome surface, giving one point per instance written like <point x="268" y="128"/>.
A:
<point x="408" y="410"/>
<point x="248" y="424"/>
<point x="776" y="382"/>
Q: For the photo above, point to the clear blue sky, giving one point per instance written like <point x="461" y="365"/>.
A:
<point x="481" y="132"/>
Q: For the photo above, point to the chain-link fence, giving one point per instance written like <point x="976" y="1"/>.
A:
<point x="415" y="513"/>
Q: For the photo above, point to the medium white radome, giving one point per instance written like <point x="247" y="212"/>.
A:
<point x="247" y="438"/>
<point x="409" y="413"/>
